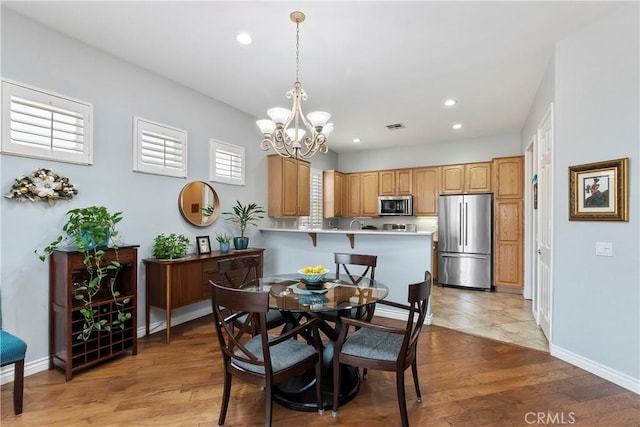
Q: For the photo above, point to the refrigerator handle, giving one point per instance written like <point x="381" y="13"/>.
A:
<point x="466" y="220"/>
<point x="460" y="224"/>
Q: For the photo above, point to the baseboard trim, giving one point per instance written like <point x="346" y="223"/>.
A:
<point x="35" y="366"/>
<point x="616" y="377"/>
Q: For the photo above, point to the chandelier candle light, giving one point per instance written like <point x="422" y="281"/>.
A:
<point x="284" y="132"/>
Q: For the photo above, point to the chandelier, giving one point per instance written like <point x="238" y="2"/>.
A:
<point x="289" y="132"/>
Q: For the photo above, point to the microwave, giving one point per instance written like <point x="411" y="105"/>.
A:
<point x="395" y="205"/>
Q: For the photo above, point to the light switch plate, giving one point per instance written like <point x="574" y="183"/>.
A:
<point x="604" y="249"/>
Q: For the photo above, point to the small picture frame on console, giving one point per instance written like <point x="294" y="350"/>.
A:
<point x="204" y="245"/>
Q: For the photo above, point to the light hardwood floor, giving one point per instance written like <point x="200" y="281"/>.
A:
<point x="501" y="316"/>
<point x="466" y="381"/>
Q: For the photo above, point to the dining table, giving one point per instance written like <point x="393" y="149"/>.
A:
<point x="328" y="300"/>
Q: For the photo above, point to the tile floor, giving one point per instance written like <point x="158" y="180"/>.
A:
<point x="500" y="316"/>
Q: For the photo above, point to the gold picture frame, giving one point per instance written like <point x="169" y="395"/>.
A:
<point x="599" y="191"/>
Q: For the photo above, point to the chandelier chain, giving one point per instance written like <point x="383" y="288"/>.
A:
<point x="297" y="50"/>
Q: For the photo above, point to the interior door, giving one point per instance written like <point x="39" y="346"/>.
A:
<point x="545" y="222"/>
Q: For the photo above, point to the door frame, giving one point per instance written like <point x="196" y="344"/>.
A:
<point x="530" y="231"/>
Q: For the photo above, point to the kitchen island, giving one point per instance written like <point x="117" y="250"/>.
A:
<point x="403" y="257"/>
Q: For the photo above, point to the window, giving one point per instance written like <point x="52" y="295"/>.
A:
<point x="159" y="149"/>
<point x="43" y="125"/>
<point x="315" y="219"/>
<point x="227" y="163"/>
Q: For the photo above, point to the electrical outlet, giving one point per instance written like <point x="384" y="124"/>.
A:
<point x="604" y="249"/>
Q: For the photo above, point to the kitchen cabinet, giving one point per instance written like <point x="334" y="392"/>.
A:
<point x="509" y="243"/>
<point x="369" y="194"/>
<point x="426" y="188"/>
<point x="334" y="194"/>
<point x="395" y="182"/>
<point x="176" y="283"/>
<point x="289" y="190"/>
<point x="508" y="177"/>
<point x="508" y="184"/>
<point x="66" y="271"/>
<point x="362" y="194"/>
<point x="466" y="178"/>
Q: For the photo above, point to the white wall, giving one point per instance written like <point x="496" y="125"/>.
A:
<point x="544" y="97"/>
<point x="448" y="152"/>
<point x="596" y="312"/>
<point x="36" y="56"/>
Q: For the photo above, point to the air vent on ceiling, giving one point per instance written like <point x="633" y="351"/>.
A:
<point x="395" y="126"/>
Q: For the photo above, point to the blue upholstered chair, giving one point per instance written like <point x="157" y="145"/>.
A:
<point x="385" y="348"/>
<point x="13" y="350"/>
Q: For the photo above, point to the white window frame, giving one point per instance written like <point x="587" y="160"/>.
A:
<point x="44" y="129"/>
<point x="224" y="175"/>
<point x="315" y="219"/>
<point x="143" y="127"/>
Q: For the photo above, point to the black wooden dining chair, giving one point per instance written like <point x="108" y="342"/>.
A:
<point x="385" y="348"/>
<point x="361" y="270"/>
<point x="263" y="360"/>
<point x="243" y="271"/>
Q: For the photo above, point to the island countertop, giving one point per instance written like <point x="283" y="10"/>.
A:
<point x="341" y="231"/>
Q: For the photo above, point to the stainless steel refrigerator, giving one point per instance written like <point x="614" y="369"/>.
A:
<point x="465" y="240"/>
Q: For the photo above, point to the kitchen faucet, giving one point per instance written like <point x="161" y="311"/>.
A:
<point x="351" y="224"/>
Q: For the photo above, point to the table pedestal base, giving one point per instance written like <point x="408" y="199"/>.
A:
<point x="300" y="393"/>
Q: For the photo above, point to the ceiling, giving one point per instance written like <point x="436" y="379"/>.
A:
<point x="369" y="64"/>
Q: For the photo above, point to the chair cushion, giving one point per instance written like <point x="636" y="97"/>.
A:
<point x="12" y="348"/>
<point x="373" y="344"/>
<point x="283" y="355"/>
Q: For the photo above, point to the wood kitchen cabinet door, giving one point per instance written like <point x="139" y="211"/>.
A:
<point x="334" y="193"/>
<point x="426" y="188"/>
<point x="477" y="177"/>
<point x="369" y="192"/>
<point x="452" y="179"/>
<point x="508" y="177"/>
<point x="289" y="187"/>
<point x="509" y="243"/>
<point x="395" y="182"/>
<point x="354" y="203"/>
<point x="466" y="178"/>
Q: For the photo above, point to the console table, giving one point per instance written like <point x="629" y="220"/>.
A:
<point x="176" y="283"/>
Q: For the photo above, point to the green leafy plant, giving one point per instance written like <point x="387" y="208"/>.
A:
<point x="208" y="210"/>
<point x="223" y="238"/>
<point x="170" y="247"/>
<point x="245" y="215"/>
<point x="89" y="230"/>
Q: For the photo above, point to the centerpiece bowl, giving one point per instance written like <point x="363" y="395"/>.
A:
<point x="313" y="280"/>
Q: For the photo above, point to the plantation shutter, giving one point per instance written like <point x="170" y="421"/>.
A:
<point x="43" y="125"/>
<point x="159" y="149"/>
<point x="315" y="219"/>
<point x="227" y="163"/>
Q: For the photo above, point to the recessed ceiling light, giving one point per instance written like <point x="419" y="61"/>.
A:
<point x="450" y="102"/>
<point x="243" y="38"/>
<point x="457" y="126"/>
<point x="356" y="140"/>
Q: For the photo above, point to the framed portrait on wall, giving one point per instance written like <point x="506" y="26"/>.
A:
<point x="599" y="191"/>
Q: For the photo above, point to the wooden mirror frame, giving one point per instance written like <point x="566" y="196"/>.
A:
<point x="194" y="197"/>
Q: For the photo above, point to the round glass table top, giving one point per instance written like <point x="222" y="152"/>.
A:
<point x="289" y="292"/>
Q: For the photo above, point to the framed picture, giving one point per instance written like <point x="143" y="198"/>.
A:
<point x="599" y="191"/>
<point x="204" y="245"/>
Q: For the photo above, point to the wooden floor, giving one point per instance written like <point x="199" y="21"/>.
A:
<point x="466" y="381"/>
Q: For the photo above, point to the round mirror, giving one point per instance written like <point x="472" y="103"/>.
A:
<point x="199" y="204"/>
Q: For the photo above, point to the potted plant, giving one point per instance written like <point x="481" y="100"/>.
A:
<point x="90" y="230"/>
<point x="173" y="246"/>
<point x="243" y="216"/>
<point x="223" y="239"/>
